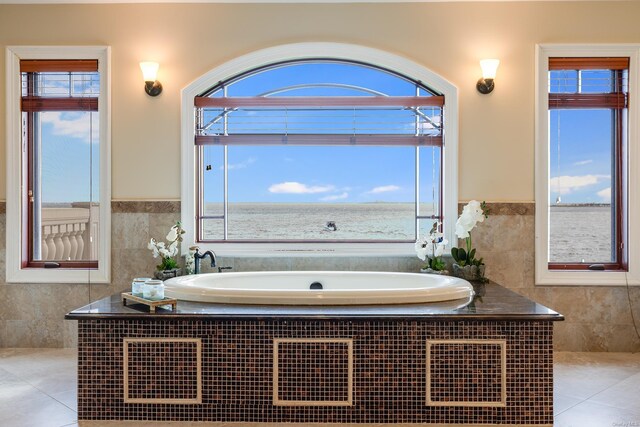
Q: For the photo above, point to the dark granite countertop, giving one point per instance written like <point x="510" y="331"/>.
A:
<point x="492" y="302"/>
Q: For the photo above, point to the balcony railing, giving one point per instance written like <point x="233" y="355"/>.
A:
<point x="70" y="234"/>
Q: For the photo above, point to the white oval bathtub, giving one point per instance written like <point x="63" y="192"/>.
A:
<point x="338" y="288"/>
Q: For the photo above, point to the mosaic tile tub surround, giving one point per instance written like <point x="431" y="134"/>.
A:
<point x="448" y="371"/>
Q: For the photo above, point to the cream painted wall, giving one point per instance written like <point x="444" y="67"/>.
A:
<point x="496" y="131"/>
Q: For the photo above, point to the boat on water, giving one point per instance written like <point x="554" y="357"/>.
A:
<point x="331" y="226"/>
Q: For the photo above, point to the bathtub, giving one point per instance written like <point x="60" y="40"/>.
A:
<point x="318" y="288"/>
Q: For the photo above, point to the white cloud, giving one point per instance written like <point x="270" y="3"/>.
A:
<point x="292" y="187"/>
<point x="243" y="164"/>
<point x="605" y="194"/>
<point x="75" y="125"/>
<point x="583" y="162"/>
<point x="566" y="184"/>
<point x="335" y="197"/>
<point x="383" y="189"/>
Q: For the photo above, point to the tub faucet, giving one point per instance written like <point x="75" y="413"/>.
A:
<point x="198" y="256"/>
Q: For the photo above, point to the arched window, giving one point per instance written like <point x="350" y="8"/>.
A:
<point x="317" y="150"/>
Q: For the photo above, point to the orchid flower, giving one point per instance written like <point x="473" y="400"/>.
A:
<point x="167" y="250"/>
<point x="432" y="247"/>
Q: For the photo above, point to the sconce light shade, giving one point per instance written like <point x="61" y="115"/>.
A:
<point x="150" y="73"/>
<point x="489" y="68"/>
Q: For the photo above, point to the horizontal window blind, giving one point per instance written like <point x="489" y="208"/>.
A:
<point x="59" y="85"/>
<point x="588" y="83"/>
<point x="319" y="120"/>
<point x="58" y="65"/>
<point x="578" y="63"/>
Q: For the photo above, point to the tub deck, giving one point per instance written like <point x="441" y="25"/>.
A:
<point x="491" y="302"/>
<point x="486" y="363"/>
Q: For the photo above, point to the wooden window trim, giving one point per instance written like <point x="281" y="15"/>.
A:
<point x="319" y="139"/>
<point x="616" y="101"/>
<point x="320" y="101"/>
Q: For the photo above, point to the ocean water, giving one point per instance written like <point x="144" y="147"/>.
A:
<point x="576" y="233"/>
<point x="354" y="221"/>
<point x="580" y="233"/>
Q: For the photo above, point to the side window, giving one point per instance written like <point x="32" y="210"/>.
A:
<point x="588" y="138"/>
<point x="58" y="164"/>
<point x="587" y="158"/>
<point x="61" y="128"/>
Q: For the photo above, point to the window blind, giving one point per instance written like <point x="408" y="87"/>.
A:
<point x="319" y="120"/>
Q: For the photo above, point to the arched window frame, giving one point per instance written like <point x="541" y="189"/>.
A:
<point x="302" y="51"/>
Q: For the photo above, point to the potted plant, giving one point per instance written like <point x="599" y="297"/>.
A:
<point x="167" y="252"/>
<point x="466" y="265"/>
<point x="430" y="249"/>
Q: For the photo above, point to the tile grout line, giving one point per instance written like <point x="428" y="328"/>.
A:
<point x="602" y="391"/>
<point x="570" y="407"/>
<point x="51" y="397"/>
<point x="45" y="393"/>
<point x="597" y="393"/>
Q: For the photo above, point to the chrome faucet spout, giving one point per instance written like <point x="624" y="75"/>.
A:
<point x="198" y="256"/>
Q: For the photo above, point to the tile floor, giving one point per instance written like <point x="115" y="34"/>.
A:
<point x="38" y="389"/>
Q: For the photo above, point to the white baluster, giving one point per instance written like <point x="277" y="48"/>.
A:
<point x="66" y="244"/>
<point x="44" y="248"/>
<point x="80" y="239"/>
<point x="57" y="240"/>
<point x="73" y="239"/>
<point x="51" y="246"/>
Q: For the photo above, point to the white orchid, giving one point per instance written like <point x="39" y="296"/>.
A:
<point x="167" y="250"/>
<point x="432" y="247"/>
<point x="421" y="249"/>
<point x="472" y="213"/>
<point x="173" y="248"/>
<point x="152" y="246"/>
<point x="173" y="234"/>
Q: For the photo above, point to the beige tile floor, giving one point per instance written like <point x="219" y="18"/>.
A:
<point x="38" y="389"/>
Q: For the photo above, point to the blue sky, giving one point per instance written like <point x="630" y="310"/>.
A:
<point x="583" y="174"/>
<point x="67" y="157"/>
<point x="70" y="149"/>
<point x="580" y="171"/>
<point x="580" y="143"/>
<point x="316" y="174"/>
<point x="296" y="174"/>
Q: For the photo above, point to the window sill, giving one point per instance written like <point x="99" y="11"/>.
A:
<point x="545" y="277"/>
<point x="282" y="250"/>
<point x="57" y="275"/>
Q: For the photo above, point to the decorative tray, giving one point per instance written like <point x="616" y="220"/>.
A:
<point x="128" y="296"/>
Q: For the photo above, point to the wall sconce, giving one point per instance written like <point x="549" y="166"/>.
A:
<point x="485" y="83"/>
<point x="150" y="71"/>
